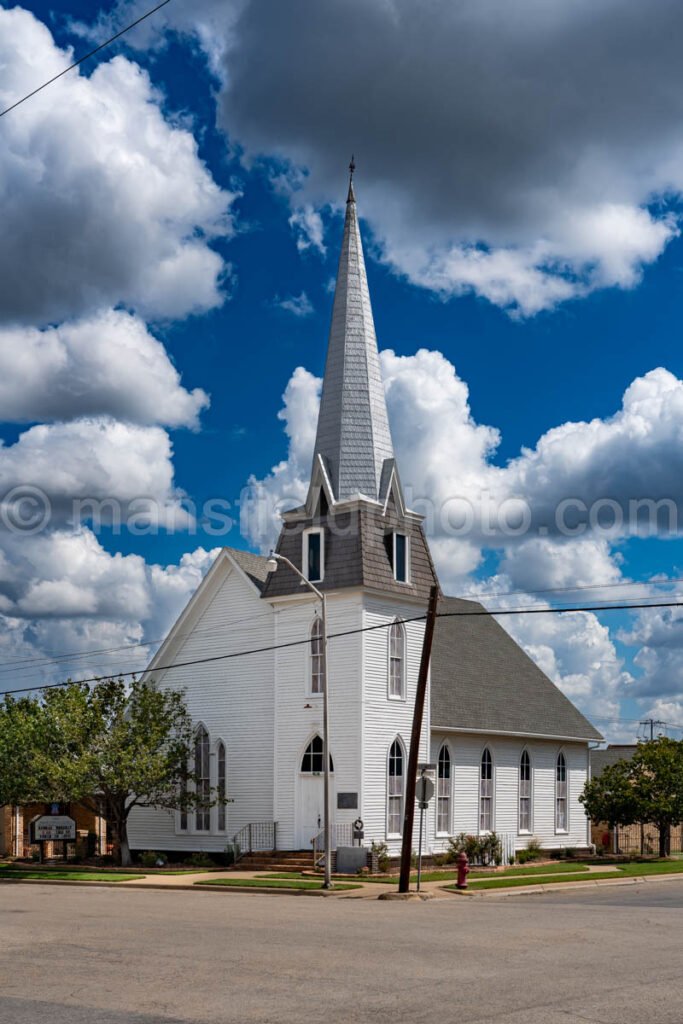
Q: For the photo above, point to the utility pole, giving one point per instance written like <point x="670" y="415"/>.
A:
<point x="414" y="752"/>
<point x="652" y="722"/>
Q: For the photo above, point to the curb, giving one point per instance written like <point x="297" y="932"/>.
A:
<point x="561" y="886"/>
<point x="198" y="887"/>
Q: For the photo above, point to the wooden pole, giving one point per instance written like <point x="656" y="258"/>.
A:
<point x="414" y="753"/>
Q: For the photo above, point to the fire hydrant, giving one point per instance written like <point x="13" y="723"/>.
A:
<point x="463" y="870"/>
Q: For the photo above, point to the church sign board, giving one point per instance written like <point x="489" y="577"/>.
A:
<point x="53" y="828"/>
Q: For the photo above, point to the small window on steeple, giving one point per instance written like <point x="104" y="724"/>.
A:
<point x="400" y="557"/>
<point x="314" y="555"/>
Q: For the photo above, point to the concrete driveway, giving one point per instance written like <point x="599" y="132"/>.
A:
<point x="104" y="956"/>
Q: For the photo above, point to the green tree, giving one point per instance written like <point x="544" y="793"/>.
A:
<point x="647" y="788"/>
<point x="110" y="747"/>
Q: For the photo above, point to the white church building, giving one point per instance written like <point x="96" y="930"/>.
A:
<point x="511" y="751"/>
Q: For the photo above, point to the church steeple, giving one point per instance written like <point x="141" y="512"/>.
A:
<point x="353" y="439"/>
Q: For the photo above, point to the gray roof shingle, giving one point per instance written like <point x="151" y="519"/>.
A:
<point x="601" y="759"/>
<point x="482" y="680"/>
<point x="253" y="565"/>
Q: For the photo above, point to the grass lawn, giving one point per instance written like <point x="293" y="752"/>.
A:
<point x="275" y="882"/>
<point x="46" y="874"/>
<point x="625" y="871"/>
<point x="446" y="876"/>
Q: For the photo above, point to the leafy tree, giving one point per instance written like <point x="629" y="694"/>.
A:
<point x="647" y="788"/>
<point x="110" y="747"/>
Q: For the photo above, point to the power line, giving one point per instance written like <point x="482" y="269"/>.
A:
<point x="347" y="632"/>
<point x="576" y="589"/>
<point x="84" y="57"/>
<point x="37" y="662"/>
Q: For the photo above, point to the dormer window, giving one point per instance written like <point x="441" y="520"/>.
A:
<point x="314" y="555"/>
<point x="400" y="557"/>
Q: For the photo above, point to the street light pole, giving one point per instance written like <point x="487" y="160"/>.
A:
<point x="274" y="560"/>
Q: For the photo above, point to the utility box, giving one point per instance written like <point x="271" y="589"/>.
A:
<point x="350" y="859"/>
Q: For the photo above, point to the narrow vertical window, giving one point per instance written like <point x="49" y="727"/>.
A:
<point x="399" y="557"/>
<point x="525" y="792"/>
<point x="183" y="814"/>
<point x="317" y="671"/>
<point x="443" y="791"/>
<point x="397" y="657"/>
<point x="202" y="770"/>
<point x="561" y="794"/>
<point x="395" y="790"/>
<point x="486" y="792"/>
<point x="221" y="785"/>
<point x="314" y="554"/>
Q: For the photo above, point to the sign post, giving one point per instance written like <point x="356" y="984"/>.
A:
<point x="424" y="791"/>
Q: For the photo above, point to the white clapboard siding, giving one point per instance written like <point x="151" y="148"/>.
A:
<point x="466" y="750"/>
<point x="234" y="700"/>
<point x="383" y="719"/>
<point x="296" y="723"/>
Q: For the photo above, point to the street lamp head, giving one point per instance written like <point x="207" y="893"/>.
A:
<point x="271" y="564"/>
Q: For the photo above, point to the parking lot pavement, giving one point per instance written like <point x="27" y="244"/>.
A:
<point x="103" y="956"/>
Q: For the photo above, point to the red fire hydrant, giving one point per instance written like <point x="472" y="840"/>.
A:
<point x="463" y="870"/>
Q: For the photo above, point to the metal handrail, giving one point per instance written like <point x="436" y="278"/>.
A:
<point x="342" y="835"/>
<point x="256" y="837"/>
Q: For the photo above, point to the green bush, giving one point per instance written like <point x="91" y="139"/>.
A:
<point x="534" y="849"/>
<point x="152" y="859"/>
<point x="482" y="850"/>
<point x="570" y="852"/>
<point x="381" y="851"/>
<point x="440" y="859"/>
<point x="200" y="860"/>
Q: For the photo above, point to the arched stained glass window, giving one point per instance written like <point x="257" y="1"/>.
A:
<point x="202" y="767"/>
<point x="525" y="792"/>
<point x="312" y="763"/>
<point x="561" y="794"/>
<point x="486" y="792"/>
<point x="221" y="785"/>
<point x="443" y="791"/>
<point x="395" y="789"/>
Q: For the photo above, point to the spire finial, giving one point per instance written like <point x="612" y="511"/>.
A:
<point x="351" y="198"/>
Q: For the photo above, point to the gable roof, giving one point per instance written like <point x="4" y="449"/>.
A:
<point x="601" y="759"/>
<point x="482" y="681"/>
<point x="251" y="567"/>
<point x="254" y="566"/>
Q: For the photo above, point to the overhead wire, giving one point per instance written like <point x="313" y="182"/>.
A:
<point x="331" y="636"/>
<point x="85" y="56"/>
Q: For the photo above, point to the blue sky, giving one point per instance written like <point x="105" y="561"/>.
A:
<point x="542" y="262"/>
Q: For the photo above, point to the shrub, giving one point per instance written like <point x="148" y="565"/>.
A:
<point x="381" y="852"/>
<point x="479" y="849"/>
<point x="522" y="856"/>
<point x="440" y="859"/>
<point x="570" y="851"/>
<point x="534" y="849"/>
<point x="200" y="860"/>
<point x="511" y="859"/>
<point x="148" y="858"/>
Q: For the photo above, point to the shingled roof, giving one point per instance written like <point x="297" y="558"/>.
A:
<point x="253" y="565"/>
<point x="601" y="759"/>
<point x="483" y="681"/>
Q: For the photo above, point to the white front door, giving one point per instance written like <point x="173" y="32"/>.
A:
<point x="310" y="809"/>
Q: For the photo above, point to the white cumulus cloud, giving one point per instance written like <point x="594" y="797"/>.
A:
<point x="104" y="199"/>
<point x="105" y="364"/>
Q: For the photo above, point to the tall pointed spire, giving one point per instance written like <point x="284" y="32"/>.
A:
<point x="353" y="435"/>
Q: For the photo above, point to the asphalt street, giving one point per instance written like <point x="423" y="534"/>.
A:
<point x="105" y="956"/>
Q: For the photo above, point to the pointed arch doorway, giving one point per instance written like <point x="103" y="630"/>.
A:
<point x="310" y="803"/>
